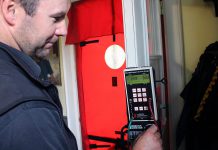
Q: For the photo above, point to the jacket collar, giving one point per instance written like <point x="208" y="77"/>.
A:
<point x="23" y="61"/>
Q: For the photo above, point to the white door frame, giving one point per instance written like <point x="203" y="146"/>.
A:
<point x="175" y="63"/>
<point x="71" y="91"/>
<point x="135" y="23"/>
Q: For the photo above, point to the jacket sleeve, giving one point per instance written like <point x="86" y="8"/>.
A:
<point x="34" y="128"/>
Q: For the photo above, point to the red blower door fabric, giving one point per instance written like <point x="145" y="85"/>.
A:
<point x="94" y="18"/>
<point x="102" y="106"/>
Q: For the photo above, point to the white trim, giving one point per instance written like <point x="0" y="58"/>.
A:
<point x="175" y="58"/>
<point x="128" y="32"/>
<point x="135" y="24"/>
<point x="71" y="91"/>
<point x="156" y="27"/>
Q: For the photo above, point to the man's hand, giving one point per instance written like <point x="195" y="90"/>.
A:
<point x="149" y="140"/>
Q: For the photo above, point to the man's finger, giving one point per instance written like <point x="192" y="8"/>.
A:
<point x="152" y="129"/>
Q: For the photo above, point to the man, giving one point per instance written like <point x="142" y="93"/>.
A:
<point x="30" y="110"/>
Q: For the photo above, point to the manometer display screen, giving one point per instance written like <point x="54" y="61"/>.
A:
<point x="138" y="79"/>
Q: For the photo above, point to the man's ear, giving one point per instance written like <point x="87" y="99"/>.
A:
<point x="8" y="11"/>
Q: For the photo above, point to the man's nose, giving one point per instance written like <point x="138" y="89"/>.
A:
<point x="61" y="29"/>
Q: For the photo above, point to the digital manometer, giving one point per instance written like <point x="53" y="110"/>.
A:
<point x="141" y="99"/>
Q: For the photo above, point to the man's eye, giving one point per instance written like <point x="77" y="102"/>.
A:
<point x="58" y="19"/>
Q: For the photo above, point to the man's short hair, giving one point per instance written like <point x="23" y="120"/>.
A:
<point x="29" y="6"/>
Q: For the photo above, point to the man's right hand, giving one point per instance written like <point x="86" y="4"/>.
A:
<point x="149" y="140"/>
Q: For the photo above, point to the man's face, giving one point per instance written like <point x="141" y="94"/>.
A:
<point x="42" y="30"/>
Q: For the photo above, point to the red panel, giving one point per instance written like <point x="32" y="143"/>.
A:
<point x="105" y="105"/>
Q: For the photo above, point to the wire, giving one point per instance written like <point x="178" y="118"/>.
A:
<point x="129" y="127"/>
<point x="152" y="113"/>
